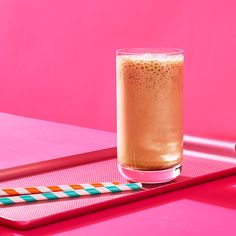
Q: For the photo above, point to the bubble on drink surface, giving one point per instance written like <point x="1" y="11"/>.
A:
<point x="151" y="72"/>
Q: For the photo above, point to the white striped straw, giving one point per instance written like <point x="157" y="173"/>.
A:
<point x="54" y="188"/>
<point x="69" y="194"/>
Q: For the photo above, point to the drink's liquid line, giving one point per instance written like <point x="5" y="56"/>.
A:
<point x="149" y="111"/>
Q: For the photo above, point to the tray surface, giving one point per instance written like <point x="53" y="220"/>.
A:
<point x="195" y="170"/>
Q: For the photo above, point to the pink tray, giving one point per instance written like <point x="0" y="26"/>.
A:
<point x="195" y="170"/>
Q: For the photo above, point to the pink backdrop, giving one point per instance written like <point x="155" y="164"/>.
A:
<point x="57" y="57"/>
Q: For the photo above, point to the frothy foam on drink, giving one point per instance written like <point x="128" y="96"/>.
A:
<point x="154" y="57"/>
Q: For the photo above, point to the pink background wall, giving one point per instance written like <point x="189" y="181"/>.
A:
<point x="57" y="57"/>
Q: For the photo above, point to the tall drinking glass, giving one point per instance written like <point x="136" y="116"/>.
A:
<point x="149" y="113"/>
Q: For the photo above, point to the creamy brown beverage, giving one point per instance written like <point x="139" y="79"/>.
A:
<point x="149" y="110"/>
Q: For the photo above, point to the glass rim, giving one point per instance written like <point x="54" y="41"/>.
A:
<point x="154" y="51"/>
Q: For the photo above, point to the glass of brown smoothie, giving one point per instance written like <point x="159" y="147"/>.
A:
<point x="149" y="113"/>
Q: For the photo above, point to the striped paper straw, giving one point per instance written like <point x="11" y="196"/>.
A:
<point x="55" y="188"/>
<point x="69" y="194"/>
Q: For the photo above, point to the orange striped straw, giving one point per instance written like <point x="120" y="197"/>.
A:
<point x="54" y="188"/>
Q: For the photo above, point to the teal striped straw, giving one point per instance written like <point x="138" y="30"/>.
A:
<point x="69" y="194"/>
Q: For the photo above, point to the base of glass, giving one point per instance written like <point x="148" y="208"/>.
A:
<point x="150" y="177"/>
